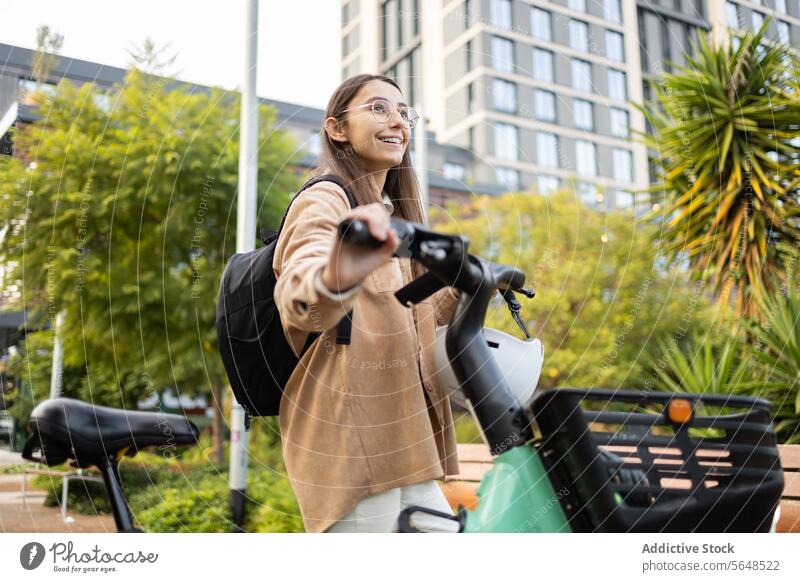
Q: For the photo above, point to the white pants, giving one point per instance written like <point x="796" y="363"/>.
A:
<point x="378" y="513"/>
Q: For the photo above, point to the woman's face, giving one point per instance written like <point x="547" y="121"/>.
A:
<point x="379" y="144"/>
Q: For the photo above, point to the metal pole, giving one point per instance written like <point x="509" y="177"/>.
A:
<point x="58" y="356"/>
<point x="421" y="159"/>
<point x="245" y="241"/>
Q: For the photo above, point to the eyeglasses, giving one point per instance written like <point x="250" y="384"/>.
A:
<point x="382" y="109"/>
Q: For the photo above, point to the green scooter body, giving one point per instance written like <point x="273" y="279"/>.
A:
<point x="516" y="496"/>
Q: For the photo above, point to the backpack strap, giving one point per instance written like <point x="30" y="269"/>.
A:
<point x="345" y="325"/>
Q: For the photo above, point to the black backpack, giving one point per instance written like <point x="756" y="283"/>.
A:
<point x="257" y="357"/>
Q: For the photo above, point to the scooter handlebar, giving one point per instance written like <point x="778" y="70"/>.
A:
<point x="356" y="232"/>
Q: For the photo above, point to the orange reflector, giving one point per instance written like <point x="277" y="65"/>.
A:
<point x="679" y="410"/>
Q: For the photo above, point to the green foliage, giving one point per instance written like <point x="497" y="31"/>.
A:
<point x="120" y="210"/>
<point x="725" y="129"/>
<point x="697" y="365"/>
<point x="601" y="295"/>
<point x="189" y="493"/>
<point x="776" y="342"/>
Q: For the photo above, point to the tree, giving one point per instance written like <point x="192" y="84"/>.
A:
<point x="45" y="56"/>
<point x="121" y="211"/>
<point x="602" y="294"/>
<point x="725" y="146"/>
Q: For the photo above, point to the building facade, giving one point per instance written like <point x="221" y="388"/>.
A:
<point x="543" y="92"/>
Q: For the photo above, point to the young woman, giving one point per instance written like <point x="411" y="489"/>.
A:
<point x="366" y="429"/>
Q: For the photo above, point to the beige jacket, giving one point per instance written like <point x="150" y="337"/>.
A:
<point x="361" y="418"/>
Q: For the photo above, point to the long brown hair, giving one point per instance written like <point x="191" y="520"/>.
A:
<point x="340" y="159"/>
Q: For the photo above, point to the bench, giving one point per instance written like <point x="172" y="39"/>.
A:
<point x="67" y="476"/>
<point x="475" y="460"/>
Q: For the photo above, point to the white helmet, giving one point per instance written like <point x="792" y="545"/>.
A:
<point x="519" y="361"/>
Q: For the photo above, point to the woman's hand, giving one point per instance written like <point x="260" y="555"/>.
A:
<point x="348" y="265"/>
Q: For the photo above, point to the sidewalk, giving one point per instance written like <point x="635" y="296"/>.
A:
<point x="30" y="515"/>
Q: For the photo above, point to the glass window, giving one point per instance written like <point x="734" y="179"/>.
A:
<point x="579" y="5"/>
<point x="585" y="158"/>
<point x="544" y="105"/>
<point x="542" y="65"/>
<point x="584" y="116"/>
<point x="507" y="177"/>
<point x="505" y="141"/>
<point x="612" y="10"/>
<point x="616" y="85"/>
<point x="581" y="75"/>
<point x="623" y="199"/>
<point x="468" y="49"/>
<point x="500" y="13"/>
<point x="314" y="143"/>
<point x="453" y="171"/>
<point x="619" y="122"/>
<point x="547" y="150"/>
<point x="578" y="35"/>
<point x="783" y="30"/>
<point x="471" y="97"/>
<point x="540" y="24"/>
<point x="502" y="54"/>
<point x="732" y="14"/>
<point x="587" y="192"/>
<point x="780" y="6"/>
<point x="614" y="46"/>
<point x="758" y="19"/>
<point x="505" y="96"/>
<point x="547" y="184"/>
<point x="623" y="167"/>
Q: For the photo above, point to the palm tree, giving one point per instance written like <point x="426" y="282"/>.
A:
<point x="725" y="148"/>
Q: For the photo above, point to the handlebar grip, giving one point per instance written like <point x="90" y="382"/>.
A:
<point x="356" y="232"/>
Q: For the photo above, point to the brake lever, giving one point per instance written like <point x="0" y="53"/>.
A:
<point x="515" y="307"/>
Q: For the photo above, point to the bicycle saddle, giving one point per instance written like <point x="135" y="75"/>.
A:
<point x="65" y="428"/>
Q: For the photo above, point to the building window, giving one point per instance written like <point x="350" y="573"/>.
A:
<point x="544" y="103"/>
<point x="507" y="177"/>
<point x="616" y="85"/>
<point x="542" y="65"/>
<point x="578" y="35"/>
<point x="547" y="184"/>
<point x="505" y="141"/>
<point x="468" y="50"/>
<point x="619" y="122"/>
<point x="584" y="116"/>
<point x="453" y="171"/>
<point x="314" y="143"/>
<point x="758" y="19"/>
<point x="587" y="192"/>
<point x="467" y="13"/>
<point x="585" y="158"/>
<point x="505" y="96"/>
<point x="732" y="14"/>
<point x="783" y="30"/>
<point x="780" y="6"/>
<point x="471" y="137"/>
<point x="577" y="5"/>
<point x="623" y="199"/>
<point x="581" y="75"/>
<point x="612" y="11"/>
<point x="547" y="150"/>
<point x="614" y="46"/>
<point x="500" y="13"/>
<point x="502" y="54"/>
<point x="622" y="165"/>
<point x="471" y="98"/>
<point x="540" y="24"/>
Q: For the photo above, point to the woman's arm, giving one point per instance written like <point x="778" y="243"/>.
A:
<point x="302" y="252"/>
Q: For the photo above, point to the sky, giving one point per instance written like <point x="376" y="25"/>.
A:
<point x="299" y="47"/>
